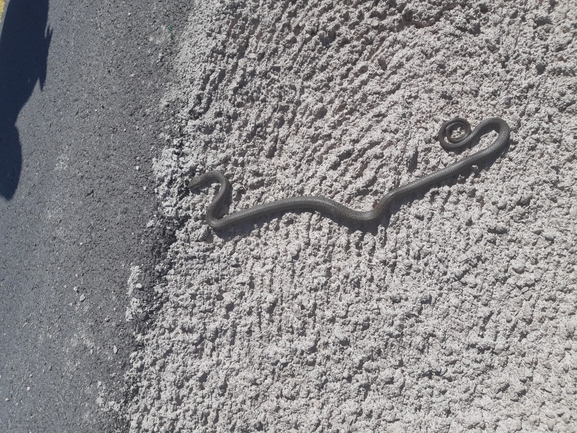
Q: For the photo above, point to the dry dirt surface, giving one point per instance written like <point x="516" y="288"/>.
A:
<point x="457" y="313"/>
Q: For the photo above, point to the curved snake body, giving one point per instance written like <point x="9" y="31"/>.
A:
<point x="339" y="211"/>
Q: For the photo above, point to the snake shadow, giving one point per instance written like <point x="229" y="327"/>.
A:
<point x="246" y="228"/>
<point x="24" y="44"/>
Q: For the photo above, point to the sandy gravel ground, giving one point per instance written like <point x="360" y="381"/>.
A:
<point x="457" y="313"/>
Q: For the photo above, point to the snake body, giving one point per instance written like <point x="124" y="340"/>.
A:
<point x="339" y="211"/>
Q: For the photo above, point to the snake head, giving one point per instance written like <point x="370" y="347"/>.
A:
<point x="209" y="177"/>
<point x="195" y="182"/>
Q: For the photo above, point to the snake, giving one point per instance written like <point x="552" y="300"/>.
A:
<point x="454" y="134"/>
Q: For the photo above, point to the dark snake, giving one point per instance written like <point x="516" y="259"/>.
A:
<point x="336" y="210"/>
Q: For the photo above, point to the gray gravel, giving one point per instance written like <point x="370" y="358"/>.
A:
<point x="457" y="313"/>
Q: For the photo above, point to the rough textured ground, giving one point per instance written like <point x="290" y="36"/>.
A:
<point x="457" y="313"/>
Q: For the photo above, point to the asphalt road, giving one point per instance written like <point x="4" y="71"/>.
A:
<point x="80" y="86"/>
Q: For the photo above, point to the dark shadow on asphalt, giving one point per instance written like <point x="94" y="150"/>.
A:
<point x="24" y="44"/>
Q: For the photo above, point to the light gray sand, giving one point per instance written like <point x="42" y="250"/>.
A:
<point x="458" y="313"/>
